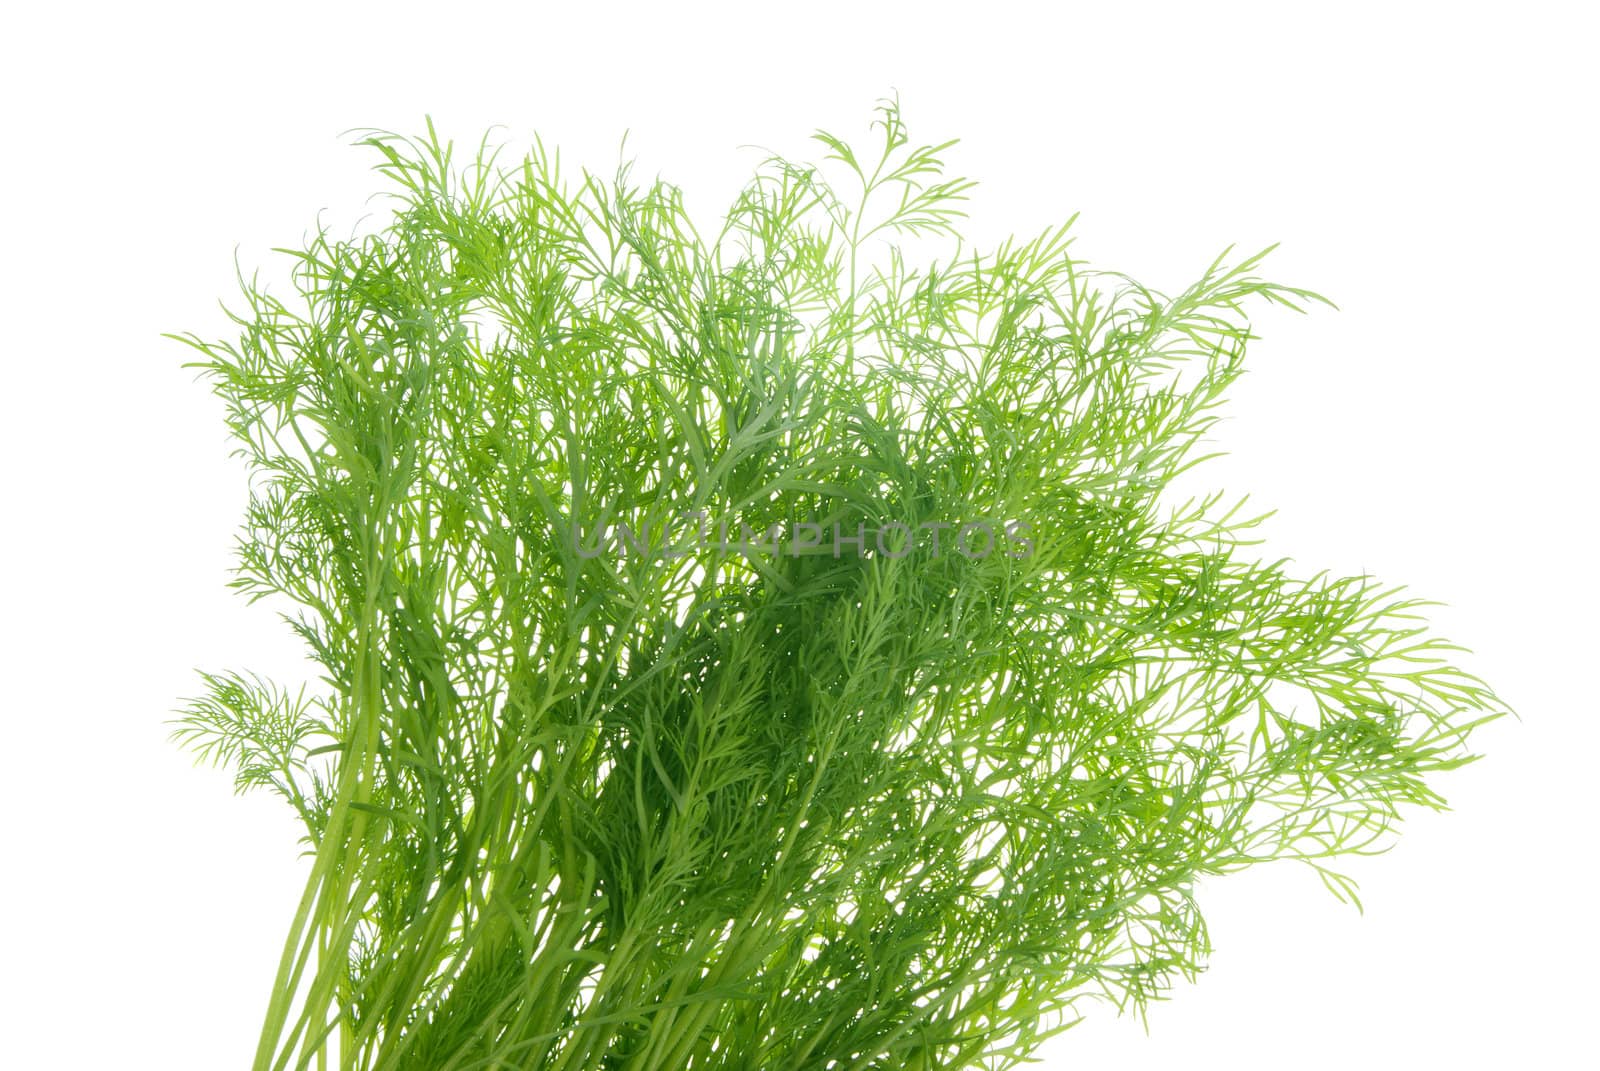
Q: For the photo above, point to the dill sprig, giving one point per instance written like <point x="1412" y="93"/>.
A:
<point x="837" y="808"/>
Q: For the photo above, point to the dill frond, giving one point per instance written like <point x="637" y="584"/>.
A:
<point x="883" y="804"/>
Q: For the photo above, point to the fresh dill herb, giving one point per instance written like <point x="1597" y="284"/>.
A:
<point x="575" y="811"/>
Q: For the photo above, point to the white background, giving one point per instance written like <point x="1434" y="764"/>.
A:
<point x="1429" y="169"/>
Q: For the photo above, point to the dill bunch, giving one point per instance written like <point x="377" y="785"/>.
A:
<point x="589" y="783"/>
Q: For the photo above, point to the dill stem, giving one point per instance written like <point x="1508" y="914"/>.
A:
<point x="328" y="886"/>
